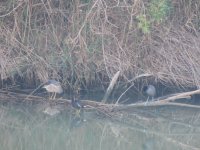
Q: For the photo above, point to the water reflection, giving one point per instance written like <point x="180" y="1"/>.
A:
<point x="166" y="128"/>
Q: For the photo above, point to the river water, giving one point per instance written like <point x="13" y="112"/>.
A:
<point x="25" y="127"/>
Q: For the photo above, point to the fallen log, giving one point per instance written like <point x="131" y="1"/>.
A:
<point x="91" y="104"/>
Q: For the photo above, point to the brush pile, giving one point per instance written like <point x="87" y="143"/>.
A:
<point x="86" y="42"/>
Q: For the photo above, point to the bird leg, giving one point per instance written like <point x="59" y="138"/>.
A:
<point x="51" y="97"/>
<point x="54" y="95"/>
<point x="152" y="99"/>
<point x="147" y="100"/>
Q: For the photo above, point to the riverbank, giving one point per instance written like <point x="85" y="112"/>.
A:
<point x="84" y="43"/>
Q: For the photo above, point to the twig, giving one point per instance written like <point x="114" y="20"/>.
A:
<point x="34" y="90"/>
<point x="137" y="77"/>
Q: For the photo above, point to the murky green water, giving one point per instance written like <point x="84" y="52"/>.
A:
<point x="166" y="128"/>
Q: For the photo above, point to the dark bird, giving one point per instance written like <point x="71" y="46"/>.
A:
<point x="150" y="90"/>
<point x="53" y="86"/>
<point x="76" y="104"/>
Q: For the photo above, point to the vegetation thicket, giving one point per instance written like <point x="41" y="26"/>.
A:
<point x="88" y="41"/>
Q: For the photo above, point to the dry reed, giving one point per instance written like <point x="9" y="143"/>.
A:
<point x="89" y="41"/>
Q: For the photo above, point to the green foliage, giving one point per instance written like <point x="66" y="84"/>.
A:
<point x="159" y="9"/>
<point x="157" y="12"/>
<point x="143" y="24"/>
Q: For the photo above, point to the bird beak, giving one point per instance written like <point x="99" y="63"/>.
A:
<point x="44" y="87"/>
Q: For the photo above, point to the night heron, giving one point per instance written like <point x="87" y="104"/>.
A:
<point x="150" y="90"/>
<point x="53" y="86"/>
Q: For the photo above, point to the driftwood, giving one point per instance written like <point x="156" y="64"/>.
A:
<point x="168" y="100"/>
<point x="162" y="101"/>
<point x="91" y="104"/>
<point x="179" y="96"/>
<point x="113" y="82"/>
<point x="110" y="87"/>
